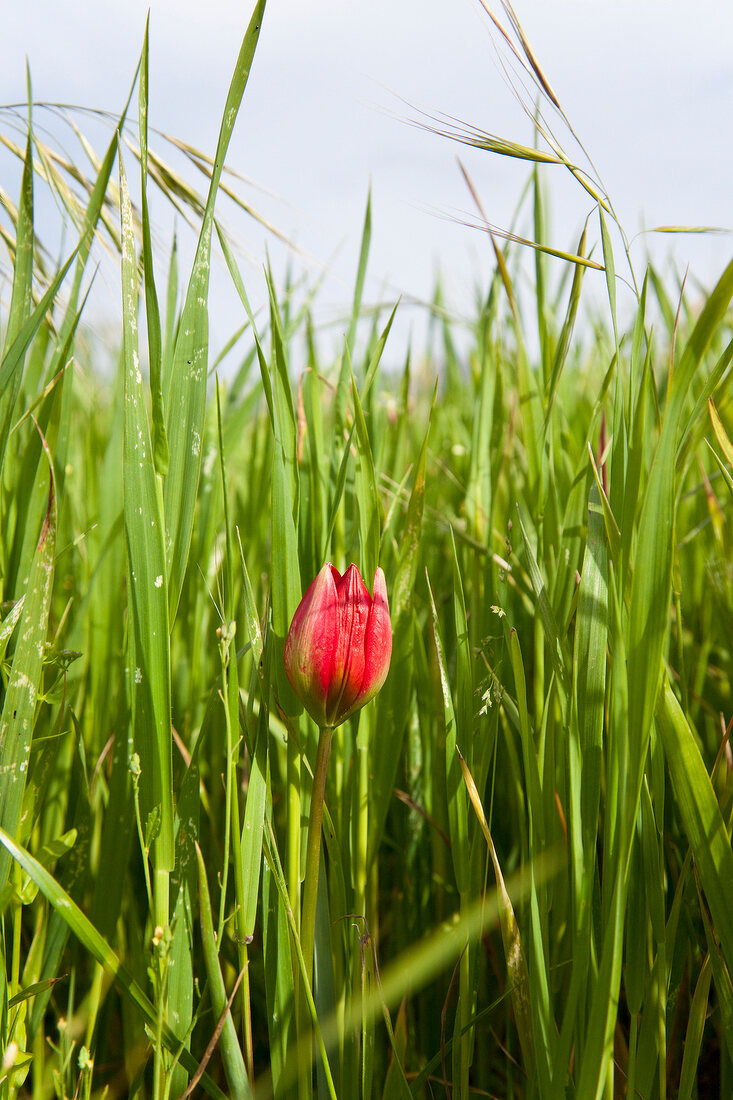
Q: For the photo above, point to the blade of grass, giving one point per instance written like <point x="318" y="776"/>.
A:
<point x="694" y="1034"/>
<point x="24" y="684"/>
<point x="513" y="951"/>
<point x="155" y="350"/>
<point x="99" y="949"/>
<point x="366" y="237"/>
<point x="234" y="1067"/>
<point x="566" y="333"/>
<point x="186" y="396"/>
<point x="395" y="698"/>
<point x="21" y="299"/>
<point x="454" y="788"/>
<point x="146" y="581"/>
<point x="700" y="814"/>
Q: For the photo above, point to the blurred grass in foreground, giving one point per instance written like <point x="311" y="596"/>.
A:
<point x="528" y="878"/>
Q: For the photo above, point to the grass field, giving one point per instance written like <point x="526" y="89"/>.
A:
<point x="526" y="884"/>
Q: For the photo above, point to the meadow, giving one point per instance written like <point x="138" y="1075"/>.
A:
<point x="526" y="874"/>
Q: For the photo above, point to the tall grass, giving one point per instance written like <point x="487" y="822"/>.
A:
<point x="527" y="881"/>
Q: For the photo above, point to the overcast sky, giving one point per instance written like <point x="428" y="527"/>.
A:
<point x="648" y="86"/>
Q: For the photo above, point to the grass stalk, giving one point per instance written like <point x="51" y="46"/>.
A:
<point x="313" y="848"/>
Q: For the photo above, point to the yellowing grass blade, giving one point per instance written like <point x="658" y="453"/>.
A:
<point x="720" y="432"/>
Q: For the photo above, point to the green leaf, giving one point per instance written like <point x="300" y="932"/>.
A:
<point x="155" y="348"/>
<point x="24" y="685"/>
<point x="395" y="699"/>
<point x="454" y="787"/>
<point x="234" y="1067"/>
<point x="700" y="816"/>
<point x="99" y="949"/>
<point x="187" y="386"/>
<point x="146" y="570"/>
<point x="46" y="856"/>
<point x="21" y="299"/>
<point x="694" y="1034"/>
<point x="253" y="825"/>
<point x="514" y="955"/>
<point x="13" y="357"/>
<point x="366" y="237"/>
<point x="566" y="333"/>
<point x="589" y="665"/>
<point x="370" y="520"/>
<point x="552" y="634"/>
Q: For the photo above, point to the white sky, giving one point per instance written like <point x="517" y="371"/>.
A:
<point x="647" y="85"/>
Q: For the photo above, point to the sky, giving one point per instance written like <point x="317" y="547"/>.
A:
<point x="329" y="110"/>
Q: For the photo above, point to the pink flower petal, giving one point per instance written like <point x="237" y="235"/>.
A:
<point x="377" y="646"/>
<point x="311" y="643"/>
<point x="354" y="603"/>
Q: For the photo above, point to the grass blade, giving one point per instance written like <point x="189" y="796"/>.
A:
<point x="155" y="345"/>
<point x="21" y="299"/>
<point x="146" y="574"/>
<point x="99" y="949"/>
<point x="701" y="817"/>
<point x="19" y="704"/>
<point x="186" y="397"/>
<point x="234" y="1066"/>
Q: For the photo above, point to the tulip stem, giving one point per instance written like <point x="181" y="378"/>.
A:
<point x="313" y="850"/>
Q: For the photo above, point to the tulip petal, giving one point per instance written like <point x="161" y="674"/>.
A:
<point x="377" y="645"/>
<point x="311" y="643"/>
<point x="354" y="603"/>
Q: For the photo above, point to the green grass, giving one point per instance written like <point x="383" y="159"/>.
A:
<point x="527" y="880"/>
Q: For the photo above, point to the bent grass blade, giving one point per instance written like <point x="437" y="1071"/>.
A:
<point x="81" y="927"/>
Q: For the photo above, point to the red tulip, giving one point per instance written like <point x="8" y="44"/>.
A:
<point x="339" y="644"/>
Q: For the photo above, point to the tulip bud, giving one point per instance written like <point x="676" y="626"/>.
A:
<point x="339" y="645"/>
